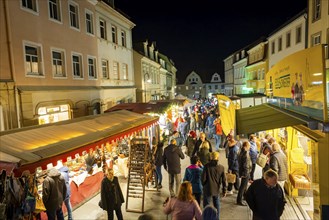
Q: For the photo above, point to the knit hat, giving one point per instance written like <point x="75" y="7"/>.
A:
<point x="192" y="134"/>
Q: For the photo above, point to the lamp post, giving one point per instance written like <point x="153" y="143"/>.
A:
<point x="146" y="80"/>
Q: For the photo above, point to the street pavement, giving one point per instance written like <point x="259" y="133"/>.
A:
<point x="154" y="199"/>
<point x="153" y="204"/>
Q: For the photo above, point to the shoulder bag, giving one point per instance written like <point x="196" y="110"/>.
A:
<point x="261" y="160"/>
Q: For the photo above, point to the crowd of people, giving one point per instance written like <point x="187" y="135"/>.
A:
<point x="197" y="194"/>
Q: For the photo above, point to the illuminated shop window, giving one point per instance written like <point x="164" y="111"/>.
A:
<point x="52" y="114"/>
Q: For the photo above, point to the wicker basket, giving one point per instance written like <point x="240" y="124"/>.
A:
<point x="230" y="177"/>
<point x="300" y="181"/>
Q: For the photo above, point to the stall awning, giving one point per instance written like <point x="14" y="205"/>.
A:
<point x="265" y="117"/>
<point x="31" y="144"/>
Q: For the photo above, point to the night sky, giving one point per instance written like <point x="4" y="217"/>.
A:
<point x="199" y="35"/>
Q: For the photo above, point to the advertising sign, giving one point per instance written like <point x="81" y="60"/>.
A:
<point x="227" y="113"/>
<point x="296" y="82"/>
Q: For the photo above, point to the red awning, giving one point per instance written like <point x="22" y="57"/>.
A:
<point x="39" y="145"/>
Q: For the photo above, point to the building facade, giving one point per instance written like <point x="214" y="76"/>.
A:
<point x="193" y="87"/>
<point x="48" y="77"/>
<point x="155" y="73"/>
<point x="257" y="67"/>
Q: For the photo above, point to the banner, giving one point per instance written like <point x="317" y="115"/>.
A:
<point x="296" y="82"/>
<point x="227" y="113"/>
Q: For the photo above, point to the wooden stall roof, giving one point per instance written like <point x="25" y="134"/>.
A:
<point x="44" y="141"/>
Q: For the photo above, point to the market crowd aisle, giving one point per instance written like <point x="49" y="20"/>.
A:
<point x="154" y="200"/>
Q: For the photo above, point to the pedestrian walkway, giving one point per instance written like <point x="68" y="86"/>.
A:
<point x="154" y="201"/>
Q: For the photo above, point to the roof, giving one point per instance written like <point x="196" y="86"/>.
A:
<point x="159" y="106"/>
<point x="36" y="143"/>
<point x="265" y="117"/>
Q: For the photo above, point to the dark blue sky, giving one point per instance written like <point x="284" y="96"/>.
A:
<point x="199" y="35"/>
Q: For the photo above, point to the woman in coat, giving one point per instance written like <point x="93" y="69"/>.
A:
<point x="111" y="195"/>
<point x="184" y="206"/>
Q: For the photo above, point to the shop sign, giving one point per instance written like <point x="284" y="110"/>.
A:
<point x="297" y="82"/>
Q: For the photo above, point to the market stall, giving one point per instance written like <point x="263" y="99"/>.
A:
<point x="101" y="139"/>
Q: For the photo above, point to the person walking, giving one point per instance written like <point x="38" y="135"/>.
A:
<point x="278" y="163"/>
<point x="200" y="142"/>
<point x="253" y="152"/>
<point x="210" y="126"/>
<point x="265" y="197"/>
<point x="171" y="162"/>
<point x="65" y="172"/>
<point x="53" y="194"/>
<point x="233" y="165"/>
<point x="213" y="176"/>
<point x="218" y="132"/>
<point x="158" y="161"/>
<point x="244" y="171"/>
<point x="184" y="206"/>
<point x="190" y="143"/>
<point x="203" y="152"/>
<point x="193" y="175"/>
<point x="111" y="195"/>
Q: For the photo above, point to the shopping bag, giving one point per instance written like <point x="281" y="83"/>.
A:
<point x="230" y="177"/>
<point x="261" y="160"/>
<point x="39" y="206"/>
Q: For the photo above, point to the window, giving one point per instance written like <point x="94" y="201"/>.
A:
<point x="114" y="34"/>
<point x="316" y="10"/>
<point x="116" y="70"/>
<point x="54" y="10"/>
<point x="89" y="22"/>
<point x="273" y="47"/>
<point x="33" y="61"/>
<point x="105" y="69"/>
<point x="316" y="39"/>
<point x="196" y="79"/>
<point x="209" y="87"/>
<point x="102" y="29"/>
<point x="288" y="39"/>
<point x="77" y="66"/>
<point x="58" y="66"/>
<point x="280" y="44"/>
<point x="298" y="34"/>
<point x="186" y="87"/>
<point x="216" y="86"/>
<point x="30" y="5"/>
<point x="74" y="15"/>
<point x="125" y="71"/>
<point x="123" y="39"/>
<point x="92" y="68"/>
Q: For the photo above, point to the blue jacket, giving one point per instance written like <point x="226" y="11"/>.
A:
<point x="233" y="163"/>
<point x="193" y="175"/>
<point x="253" y="152"/>
<point x="65" y="172"/>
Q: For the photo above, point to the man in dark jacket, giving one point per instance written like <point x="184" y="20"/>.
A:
<point x="53" y="194"/>
<point x="213" y="176"/>
<point x="265" y="197"/>
<point x="171" y="162"/>
<point x="244" y="171"/>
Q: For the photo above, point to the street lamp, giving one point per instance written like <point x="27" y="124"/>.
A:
<point x="146" y="80"/>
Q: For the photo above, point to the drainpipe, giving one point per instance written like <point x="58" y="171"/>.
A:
<point x="11" y="62"/>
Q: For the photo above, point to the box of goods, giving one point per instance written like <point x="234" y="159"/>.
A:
<point x="300" y="181"/>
